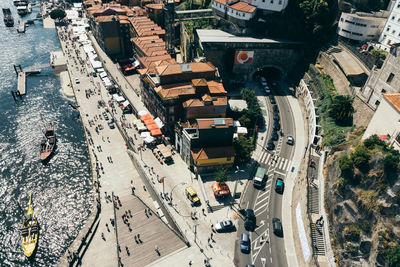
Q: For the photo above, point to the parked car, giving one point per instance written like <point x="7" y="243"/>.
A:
<point x="77" y="80"/>
<point x="111" y="124"/>
<point x="277" y="126"/>
<point x="274" y="136"/>
<point x="105" y="116"/>
<point x="224" y="226"/>
<point x="250" y="220"/>
<point x="272" y="100"/>
<point x="94" y="73"/>
<point x="290" y="140"/>
<point x="270" y="145"/>
<point x="220" y="190"/>
<point x="245" y="243"/>
<point x="276" y="117"/>
<point x="276" y="109"/>
<point x="277" y="227"/>
<point x="279" y="186"/>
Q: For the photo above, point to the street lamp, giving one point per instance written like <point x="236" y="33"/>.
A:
<point x="236" y="182"/>
<point x="183" y="183"/>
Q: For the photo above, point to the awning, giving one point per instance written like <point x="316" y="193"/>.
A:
<point x="145" y="117"/>
<point x="141" y="127"/>
<point x="152" y="126"/>
<point x="241" y="130"/>
<point x="103" y="74"/>
<point x="165" y="152"/>
<point x="118" y="98"/>
<point x="156" y="132"/>
<point x="142" y="112"/>
<point x="126" y="103"/>
<point x="149" y="121"/>
<point x="149" y="139"/>
<point x="144" y="134"/>
<point x="159" y="123"/>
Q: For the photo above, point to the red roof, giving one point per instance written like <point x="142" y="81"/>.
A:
<point x="156" y="132"/>
<point x="243" y="7"/>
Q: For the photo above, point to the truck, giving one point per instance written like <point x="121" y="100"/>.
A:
<point x="260" y="178"/>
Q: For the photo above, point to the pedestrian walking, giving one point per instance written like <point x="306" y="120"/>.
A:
<point x="212" y="235"/>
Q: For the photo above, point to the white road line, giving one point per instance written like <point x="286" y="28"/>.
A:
<point x="261" y="195"/>
<point x="268" y="156"/>
<point x="281" y="163"/>
<point x="285" y="165"/>
<point x="283" y="174"/>
<point x="262" y="206"/>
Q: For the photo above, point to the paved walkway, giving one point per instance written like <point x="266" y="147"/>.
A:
<point x="108" y="153"/>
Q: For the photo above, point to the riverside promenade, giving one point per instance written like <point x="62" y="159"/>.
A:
<point x="114" y="174"/>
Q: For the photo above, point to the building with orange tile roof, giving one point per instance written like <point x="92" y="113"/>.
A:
<point x="149" y="46"/>
<point x="240" y="13"/>
<point x="155" y="12"/>
<point x="143" y="26"/>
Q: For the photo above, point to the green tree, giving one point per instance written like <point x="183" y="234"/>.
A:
<point x="221" y="176"/>
<point x="243" y="148"/>
<point x="58" y="14"/>
<point x="341" y="109"/>
<point x="393" y="256"/>
<point x="391" y="162"/>
<point x="379" y="53"/>
<point x="360" y="157"/>
<point x="373" y="141"/>
<point x="346" y="164"/>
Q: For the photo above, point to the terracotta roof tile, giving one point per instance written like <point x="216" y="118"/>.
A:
<point x="155" y="6"/>
<point x="176" y="68"/>
<point x="212" y="152"/>
<point x="222" y="2"/>
<point x="394" y="100"/>
<point x="243" y="7"/>
<point x="206" y="123"/>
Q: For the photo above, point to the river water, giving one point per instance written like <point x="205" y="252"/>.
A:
<point x="61" y="190"/>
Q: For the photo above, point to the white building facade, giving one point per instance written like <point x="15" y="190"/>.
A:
<point x="269" y="5"/>
<point x="391" y="31"/>
<point x="361" y="26"/>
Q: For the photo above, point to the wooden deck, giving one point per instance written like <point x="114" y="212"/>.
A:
<point x="153" y="232"/>
<point x="22" y="82"/>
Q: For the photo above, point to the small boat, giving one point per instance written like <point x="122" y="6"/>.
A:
<point x="29" y="231"/>
<point x="48" y="143"/>
<point x="8" y="18"/>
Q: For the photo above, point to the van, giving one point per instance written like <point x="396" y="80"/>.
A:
<point x="259" y="179"/>
<point x="192" y="195"/>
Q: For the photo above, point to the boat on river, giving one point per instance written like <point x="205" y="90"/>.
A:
<point x="8" y="18"/>
<point x="48" y="143"/>
<point x="29" y="231"/>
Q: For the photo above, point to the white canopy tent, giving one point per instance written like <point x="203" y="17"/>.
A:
<point x="142" y="112"/>
<point x="118" y="98"/>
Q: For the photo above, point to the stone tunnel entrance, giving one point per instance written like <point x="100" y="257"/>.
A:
<point x="271" y="73"/>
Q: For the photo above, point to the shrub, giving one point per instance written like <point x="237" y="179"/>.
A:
<point x="341" y="184"/>
<point x="365" y="226"/>
<point x="341" y="110"/>
<point x="360" y="157"/>
<point x="391" y="163"/>
<point x="393" y="256"/>
<point x="352" y="233"/>
<point x="346" y="164"/>
<point x="373" y="141"/>
<point x="221" y="176"/>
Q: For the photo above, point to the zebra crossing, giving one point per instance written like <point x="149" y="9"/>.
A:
<point x="275" y="161"/>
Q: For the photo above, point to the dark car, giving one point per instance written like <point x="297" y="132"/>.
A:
<point x="277" y="226"/>
<point x="111" y="124"/>
<point x="224" y="226"/>
<point x="277" y="126"/>
<point x="276" y="109"/>
<point x="250" y="221"/>
<point x="274" y="136"/>
<point x="245" y="243"/>
<point x="276" y="117"/>
<point x="279" y="186"/>
<point x="270" y="145"/>
<point x="272" y="100"/>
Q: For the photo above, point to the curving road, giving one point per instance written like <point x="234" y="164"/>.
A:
<point x="267" y="249"/>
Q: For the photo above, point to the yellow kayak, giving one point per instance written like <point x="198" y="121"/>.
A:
<point x="29" y="231"/>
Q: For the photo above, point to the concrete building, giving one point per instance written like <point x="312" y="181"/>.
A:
<point x="177" y="92"/>
<point x="239" y="13"/>
<point x="391" y="31"/>
<point x="383" y="80"/>
<point x="386" y="120"/>
<point x="207" y="144"/>
<point x="361" y="26"/>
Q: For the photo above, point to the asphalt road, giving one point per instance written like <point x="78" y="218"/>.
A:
<point x="267" y="249"/>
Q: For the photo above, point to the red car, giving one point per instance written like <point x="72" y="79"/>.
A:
<point x="220" y="190"/>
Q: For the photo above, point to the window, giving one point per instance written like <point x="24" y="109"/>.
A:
<point x="272" y="1"/>
<point x="263" y="1"/>
<point x="280" y="2"/>
<point x="341" y="19"/>
<point x="390" y="78"/>
<point x="371" y="35"/>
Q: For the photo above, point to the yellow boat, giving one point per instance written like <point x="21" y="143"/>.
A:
<point x="29" y="231"/>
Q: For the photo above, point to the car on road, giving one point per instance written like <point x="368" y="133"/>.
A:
<point x="267" y="89"/>
<point x="277" y="227"/>
<point x="272" y="100"/>
<point x="245" y="243"/>
<point x="250" y="220"/>
<point x="263" y="81"/>
<point x="77" y="80"/>
<point x="270" y="145"/>
<point x="276" y="109"/>
<point x="260" y="178"/>
<point x="275" y="136"/>
<point x="276" y="117"/>
<point x="94" y="73"/>
<point x="111" y="124"/>
<point x="277" y="126"/>
<point x="224" y="226"/>
<point x="105" y="116"/>
<point x="192" y="195"/>
<point x="290" y="140"/>
<point x="279" y="186"/>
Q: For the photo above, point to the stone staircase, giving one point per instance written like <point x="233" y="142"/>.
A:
<point x="317" y="239"/>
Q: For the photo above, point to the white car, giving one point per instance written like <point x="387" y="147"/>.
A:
<point x="224" y="226"/>
<point x="77" y="80"/>
<point x="290" y="140"/>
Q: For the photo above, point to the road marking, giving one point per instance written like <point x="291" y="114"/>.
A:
<point x="281" y="163"/>
<point x="263" y="194"/>
<point x="262" y="206"/>
<point x="284" y="167"/>
<point x="283" y="174"/>
<point x="263" y="261"/>
<point x="257" y="249"/>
